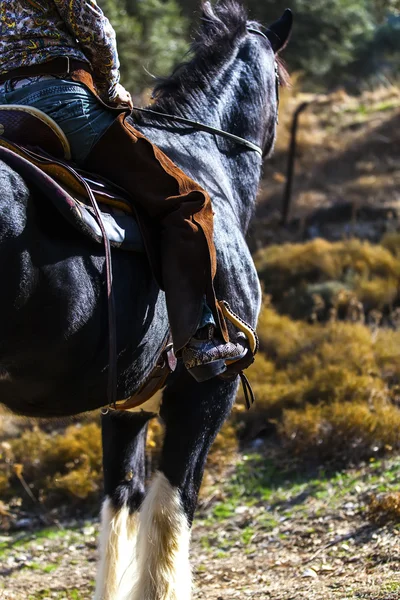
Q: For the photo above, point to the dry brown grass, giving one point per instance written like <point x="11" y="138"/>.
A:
<point x="66" y="464"/>
<point x="328" y="114"/>
<point x="384" y="508"/>
<point x="341" y="431"/>
<point x="331" y="389"/>
<point x="391" y="241"/>
<point x="347" y="152"/>
<point x="323" y="276"/>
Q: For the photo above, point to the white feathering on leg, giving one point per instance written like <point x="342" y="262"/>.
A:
<point x="163" y="567"/>
<point x="117" y="567"/>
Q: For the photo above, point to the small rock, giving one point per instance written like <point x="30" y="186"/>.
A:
<point x="345" y="547"/>
<point x="326" y="567"/>
<point x="23" y="523"/>
<point x="21" y="558"/>
<point x="309" y="573"/>
<point x="240" y="510"/>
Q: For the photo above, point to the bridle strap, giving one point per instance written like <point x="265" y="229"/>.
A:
<point x="203" y="127"/>
<point x="277" y="77"/>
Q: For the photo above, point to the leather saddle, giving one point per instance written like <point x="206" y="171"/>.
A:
<point x="34" y="145"/>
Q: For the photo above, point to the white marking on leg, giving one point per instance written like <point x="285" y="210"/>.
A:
<point x="163" y="566"/>
<point x="117" y="544"/>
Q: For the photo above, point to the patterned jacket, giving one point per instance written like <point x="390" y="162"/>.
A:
<point x="35" y="31"/>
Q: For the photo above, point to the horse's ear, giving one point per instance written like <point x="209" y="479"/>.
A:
<point x="278" y="33"/>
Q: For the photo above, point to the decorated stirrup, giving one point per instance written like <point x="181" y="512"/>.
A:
<point x="235" y="368"/>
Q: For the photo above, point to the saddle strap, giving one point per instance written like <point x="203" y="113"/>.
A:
<point x="112" y="327"/>
<point x="157" y="379"/>
<point x="247" y="391"/>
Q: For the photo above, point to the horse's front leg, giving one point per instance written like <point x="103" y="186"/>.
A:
<point x="193" y="413"/>
<point x="124" y="441"/>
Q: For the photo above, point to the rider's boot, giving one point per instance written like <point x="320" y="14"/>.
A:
<point x="205" y="356"/>
<point x="176" y="219"/>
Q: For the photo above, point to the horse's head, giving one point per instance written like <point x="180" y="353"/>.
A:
<point x="232" y="80"/>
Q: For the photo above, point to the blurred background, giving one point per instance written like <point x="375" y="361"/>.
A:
<point x="314" y="463"/>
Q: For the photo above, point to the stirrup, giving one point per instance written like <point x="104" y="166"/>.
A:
<point x="240" y="324"/>
<point x="216" y="367"/>
<point x="208" y="371"/>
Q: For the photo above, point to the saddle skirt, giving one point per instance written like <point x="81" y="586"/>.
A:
<point x="27" y="137"/>
<point x="35" y="146"/>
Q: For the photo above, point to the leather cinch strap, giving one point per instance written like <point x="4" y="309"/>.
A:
<point x="157" y="379"/>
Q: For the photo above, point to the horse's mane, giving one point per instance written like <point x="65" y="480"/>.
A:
<point x="222" y="28"/>
<point x="220" y="31"/>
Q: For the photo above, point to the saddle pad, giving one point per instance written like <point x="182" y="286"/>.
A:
<point x="121" y="228"/>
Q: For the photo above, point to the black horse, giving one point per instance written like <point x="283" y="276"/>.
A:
<point x="53" y="317"/>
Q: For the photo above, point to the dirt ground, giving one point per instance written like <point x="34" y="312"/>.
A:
<point x="309" y="542"/>
<point x="347" y="173"/>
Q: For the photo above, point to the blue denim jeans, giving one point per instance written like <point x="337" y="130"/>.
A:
<point x="72" y="106"/>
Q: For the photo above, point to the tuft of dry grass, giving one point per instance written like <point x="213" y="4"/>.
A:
<point x="384" y="508"/>
<point x="343" y="432"/>
<point x="387" y="353"/>
<point x="391" y="241"/>
<point x="331" y="390"/>
<point x="66" y="464"/>
<point x="316" y="279"/>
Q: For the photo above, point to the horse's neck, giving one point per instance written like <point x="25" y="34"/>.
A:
<point x="228" y="172"/>
<point x="231" y="176"/>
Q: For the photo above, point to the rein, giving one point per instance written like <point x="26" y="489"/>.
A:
<point x="203" y="127"/>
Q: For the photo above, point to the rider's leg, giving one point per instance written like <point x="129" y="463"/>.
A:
<point x="176" y="219"/>
<point x="177" y="222"/>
